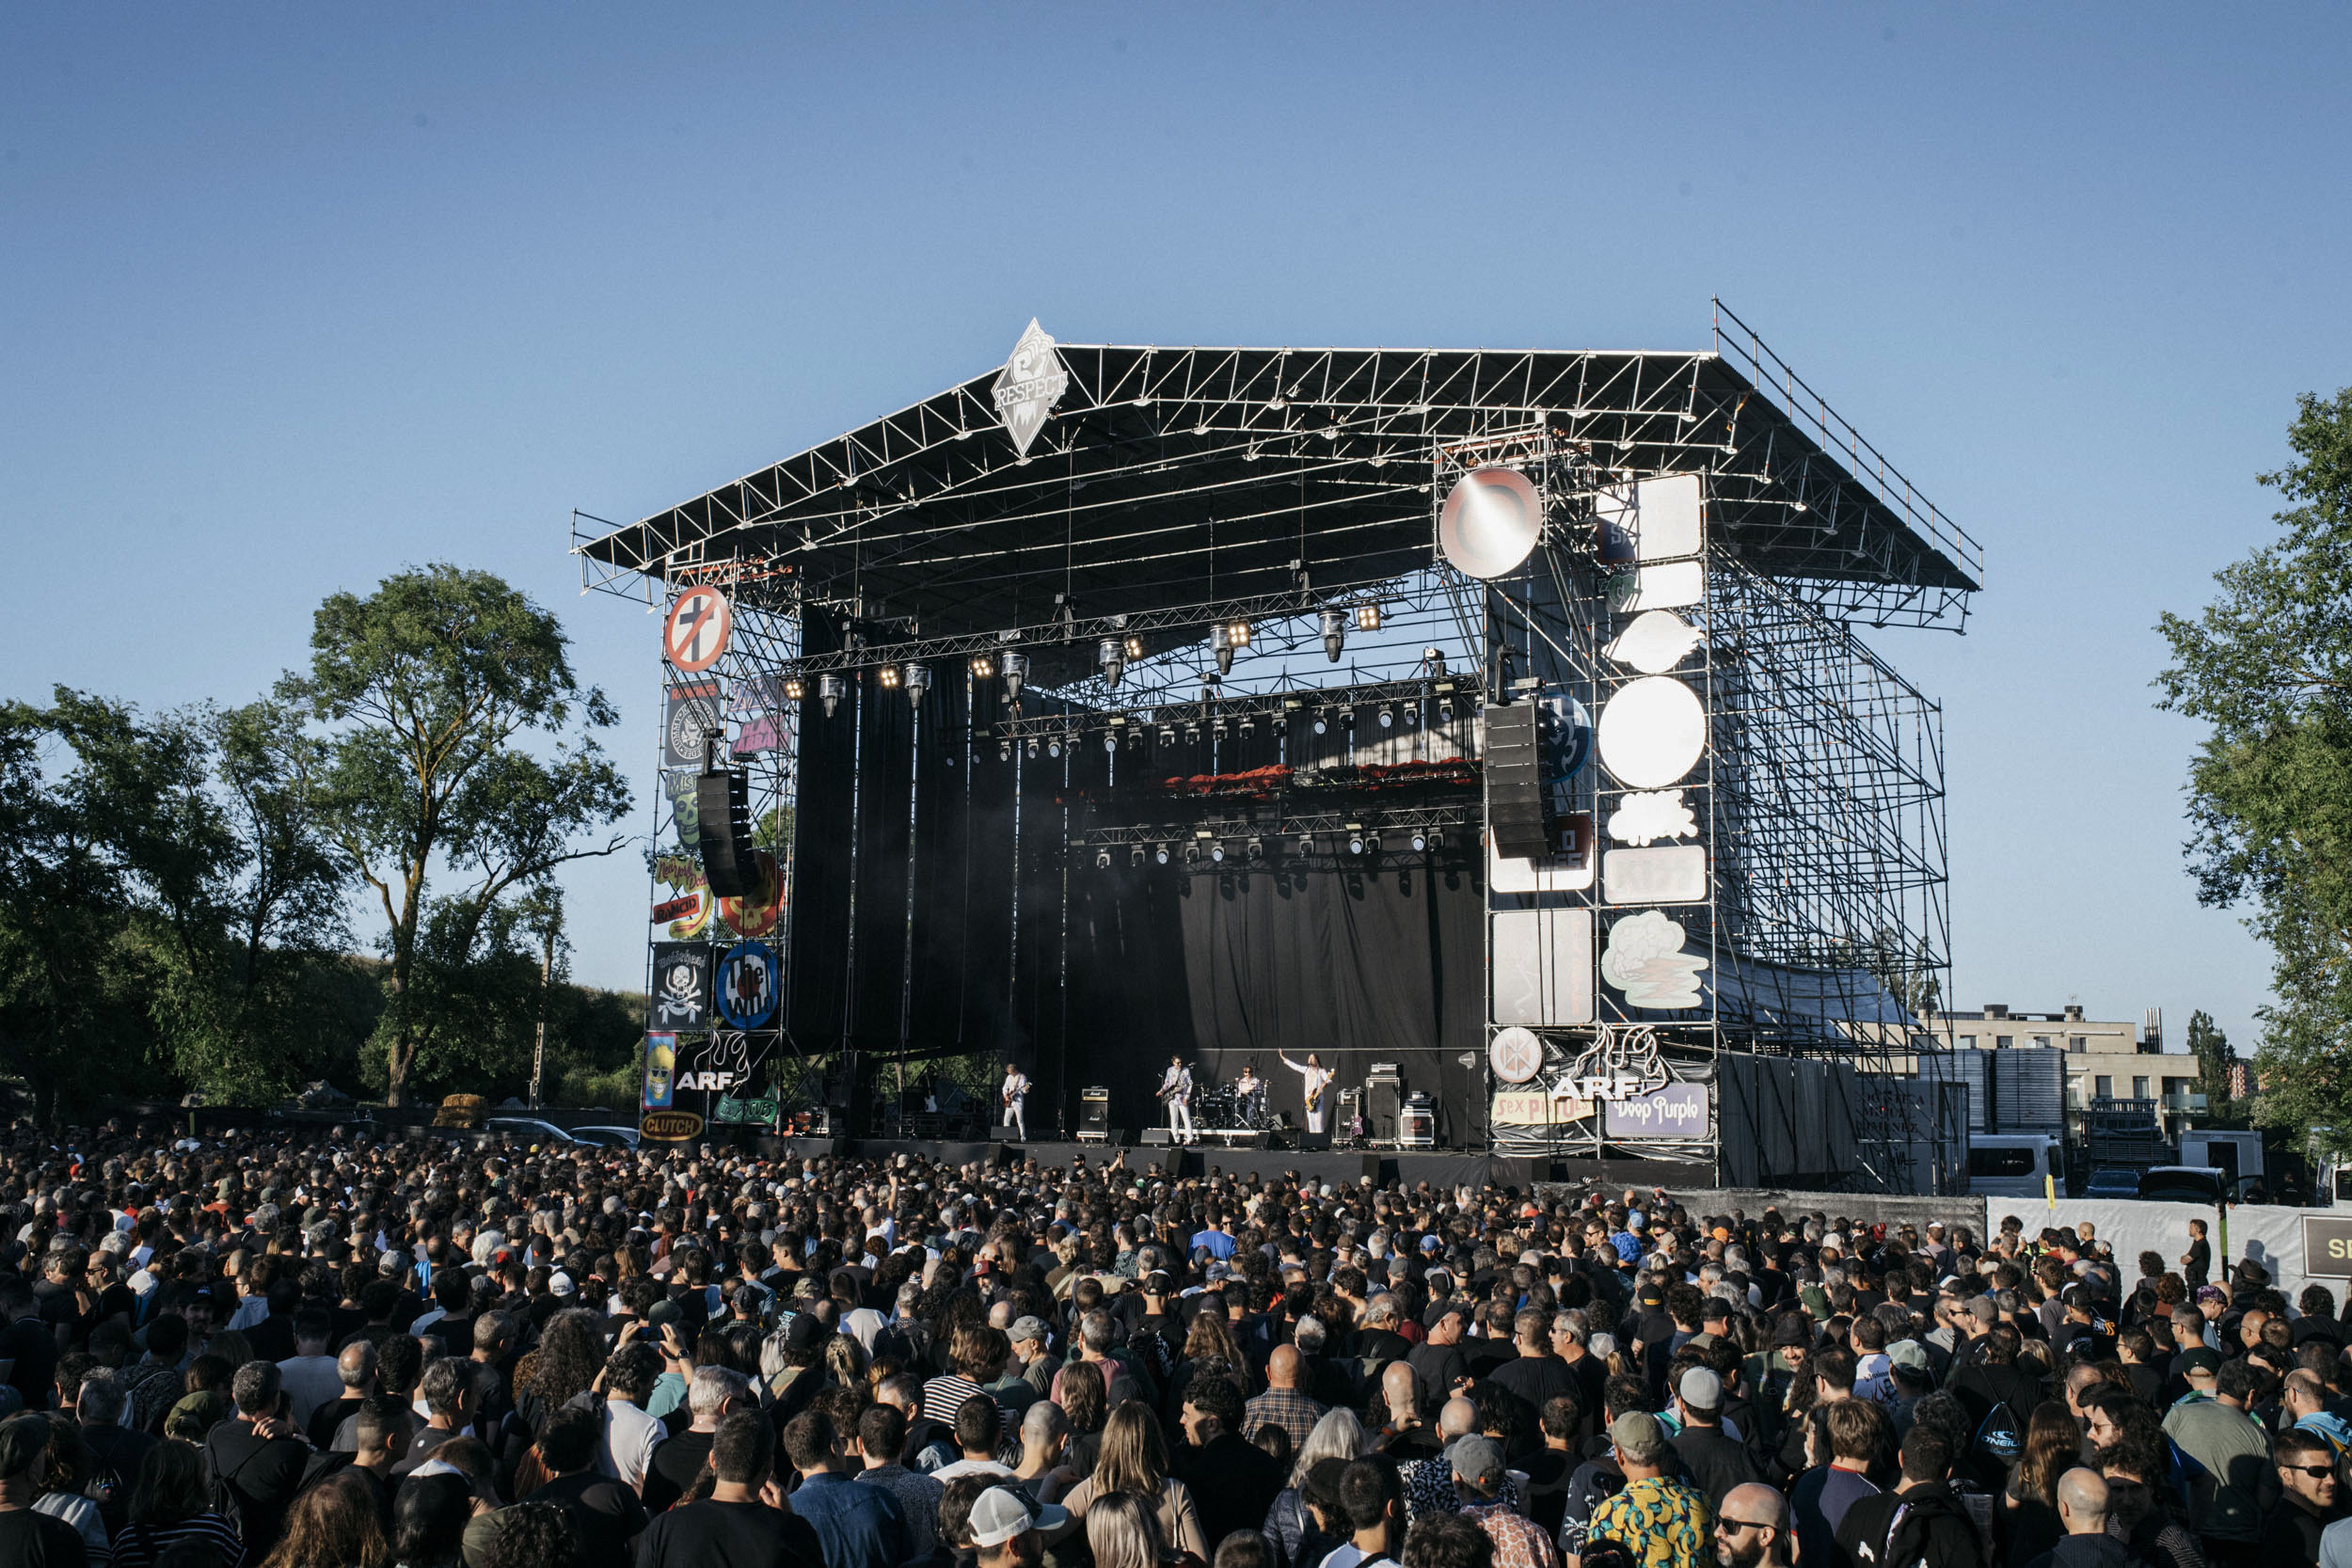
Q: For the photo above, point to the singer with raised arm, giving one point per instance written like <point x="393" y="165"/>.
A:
<point x="1176" y="1092"/>
<point x="1318" y="1079"/>
<point x="1016" y="1093"/>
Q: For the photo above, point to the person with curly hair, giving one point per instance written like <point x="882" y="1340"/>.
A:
<point x="532" y="1535"/>
<point x="334" y="1524"/>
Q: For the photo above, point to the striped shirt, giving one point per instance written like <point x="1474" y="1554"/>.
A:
<point x="945" y="1395"/>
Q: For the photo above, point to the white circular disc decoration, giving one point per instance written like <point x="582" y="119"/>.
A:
<point x="1656" y="642"/>
<point x="1652" y="732"/>
<point x="1490" y="522"/>
<point x="1516" y="1054"/>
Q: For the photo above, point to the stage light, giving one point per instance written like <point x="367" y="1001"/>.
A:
<point x="1113" y="659"/>
<point x="1388" y="718"/>
<point x="888" y="676"/>
<point x="1168" y="734"/>
<point x="1053" y="747"/>
<point x="916" y="678"/>
<point x="1221" y="642"/>
<point x="982" y="666"/>
<point x="1135" y="856"/>
<point x="1421" y="840"/>
<point x="1134" y="648"/>
<point x="1347" y="719"/>
<point x="1004" y="751"/>
<point x="1102" y="859"/>
<point x="1367" y="617"/>
<point x="1372" y="844"/>
<point x="1237" y="633"/>
<point x="1445" y="710"/>
<point x="1256" y="849"/>
<point x="1334" y="633"/>
<point x="1355" y="843"/>
<point x="1110" y="741"/>
<point x="1246" y="725"/>
<point x="1322" y="720"/>
<point x="1031" y="749"/>
<point x="1436" y="839"/>
<point x="1306" y="844"/>
<point x="1016" y="669"/>
<point x="831" y="688"/>
<point x="1434" y="659"/>
<point x="1217" y="852"/>
<point x="794" y="688"/>
<point x="1160" y="854"/>
<point x="1192" y="854"/>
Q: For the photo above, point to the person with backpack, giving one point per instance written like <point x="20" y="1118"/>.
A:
<point x="1920" y="1523"/>
<point x="1999" y="1396"/>
<point x="257" y="1461"/>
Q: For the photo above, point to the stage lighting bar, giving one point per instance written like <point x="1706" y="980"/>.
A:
<point x="831" y="688"/>
<point x="1321" y="703"/>
<point x="1307" y="829"/>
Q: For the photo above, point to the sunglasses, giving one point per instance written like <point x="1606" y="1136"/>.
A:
<point x="1733" y="1527"/>
<point x="2317" y="1472"/>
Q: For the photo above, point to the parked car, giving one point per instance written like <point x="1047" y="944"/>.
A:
<point x="2205" y="1184"/>
<point x="529" y="1130"/>
<point x="609" y="1137"/>
<point x="2112" y="1182"/>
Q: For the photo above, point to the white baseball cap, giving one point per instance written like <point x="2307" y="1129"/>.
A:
<point x="998" y="1514"/>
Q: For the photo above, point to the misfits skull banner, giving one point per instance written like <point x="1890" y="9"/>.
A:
<point x="682" y="985"/>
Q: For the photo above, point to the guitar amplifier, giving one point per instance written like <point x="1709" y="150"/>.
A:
<point x="1384" y="1099"/>
<point x="1095" y="1114"/>
<point x="1417" y="1124"/>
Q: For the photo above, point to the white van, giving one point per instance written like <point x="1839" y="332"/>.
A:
<point x="2010" y="1165"/>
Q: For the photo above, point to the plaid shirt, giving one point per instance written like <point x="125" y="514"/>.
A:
<point x="1519" y="1541"/>
<point x="1287" y="1408"/>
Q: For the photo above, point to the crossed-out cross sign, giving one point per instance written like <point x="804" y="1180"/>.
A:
<point x="696" y="632"/>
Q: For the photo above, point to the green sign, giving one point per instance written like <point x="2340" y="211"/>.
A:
<point x="741" y="1113"/>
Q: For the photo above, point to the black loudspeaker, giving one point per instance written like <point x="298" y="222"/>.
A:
<point x="1094" y="1110"/>
<point x="723" y="824"/>
<point x="1384" y="1100"/>
<point x="1380" y="1171"/>
<point x="1517" y="802"/>
<point x="1155" y="1137"/>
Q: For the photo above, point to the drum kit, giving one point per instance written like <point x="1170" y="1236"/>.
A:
<point x="1223" y="1108"/>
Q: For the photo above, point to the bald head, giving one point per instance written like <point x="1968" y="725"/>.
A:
<point x="356" y="1366"/>
<point x="1396" y="1385"/>
<point x="1754" y="1503"/>
<point x="2082" y="1500"/>
<point x="1282" y="1367"/>
<point x="1459" y="1419"/>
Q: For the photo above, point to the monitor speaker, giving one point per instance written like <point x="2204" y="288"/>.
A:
<point x="1517" y="816"/>
<point x="723" y="825"/>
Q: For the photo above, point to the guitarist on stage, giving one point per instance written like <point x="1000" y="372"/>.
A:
<point x="1176" y="1092"/>
<point x="1016" y="1094"/>
<point x="1318" y="1079"/>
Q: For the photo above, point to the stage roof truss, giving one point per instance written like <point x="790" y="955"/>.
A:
<point x="1165" y="470"/>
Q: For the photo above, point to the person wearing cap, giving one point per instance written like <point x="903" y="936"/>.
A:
<point x="1478" y="1479"/>
<point x="1912" y="1377"/>
<point x="1009" y="1531"/>
<point x="1662" y="1521"/>
<point x="1716" y="1463"/>
<point x="1439" y="1368"/>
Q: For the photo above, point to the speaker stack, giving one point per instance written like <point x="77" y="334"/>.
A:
<point x="1095" y="1114"/>
<point x="723" y="825"/>
<point x="1517" y="814"/>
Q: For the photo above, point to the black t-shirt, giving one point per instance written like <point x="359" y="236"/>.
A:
<point x="606" y="1516"/>
<point x="1535" y="1379"/>
<point x="677" y="1460"/>
<point x="33" y="1348"/>
<point x="263" y="1474"/>
<point x="729" y="1535"/>
<point x="30" y="1540"/>
<point x="1436" y="1369"/>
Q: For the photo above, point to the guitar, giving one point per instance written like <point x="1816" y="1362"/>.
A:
<point x="1172" y="1091"/>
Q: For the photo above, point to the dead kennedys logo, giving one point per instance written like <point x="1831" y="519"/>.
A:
<point x="1032" y="381"/>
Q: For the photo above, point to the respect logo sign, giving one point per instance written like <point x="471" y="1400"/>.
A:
<point x="1676" y="1110"/>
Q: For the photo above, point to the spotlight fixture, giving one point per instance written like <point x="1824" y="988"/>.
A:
<point x="1256" y="850"/>
<point x="1135" y="856"/>
<point x="1388" y="718"/>
<point x="1421" y="840"/>
<point x="1110" y="741"/>
<point x="1246" y="725"/>
<point x="831" y="688"/>
<point x="982" y="666"/>
<point x="1053" y="747"/>
<point x="916" y="678"/>
<point x="1445" y="710"/>
<point x="1160" y="854"/>
<point x="1133" y="645"/>
<point x="1355" y="843"/>
<point x="1368" y="617"/>
<point x="1306" y="844"/>
<point x="1334" y="633"/>
<point x="888" y="676"/>
<point x="1372" y="844"/>
<point x="1015" y="668"/>
<point x="1436" y="839"/>
<point x="1102" y="859"/>
<point x="1192" y="854"/>
<point x="1434" y="659"/>
<point x="1216" y="851"/>
<point x="1031" y="749"/>
<point x="1168" y="734"/>
<point x="1347" y="720"/>
<point x="1004" y="751"/>
<point x="1220" y="642"/>
<point x="1111" y="655"/>
<point x="794" y="688"/>
<point x="1322" y="720"/>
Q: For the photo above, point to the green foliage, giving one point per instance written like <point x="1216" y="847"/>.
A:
<point x="431" y="687"/>
<point x="2267" y="668"/>
<point x="2211" y="1047"/>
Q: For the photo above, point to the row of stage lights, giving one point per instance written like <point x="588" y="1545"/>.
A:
<point x="1112" y="656"/>
<point x="1388" y="715"/>
<point x="1358" y="843"/>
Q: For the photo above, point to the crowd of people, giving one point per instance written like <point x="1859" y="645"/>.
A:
<point x="302" y="1350"/>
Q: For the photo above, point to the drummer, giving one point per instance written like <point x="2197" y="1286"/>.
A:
<point x="1250" y="1088"/>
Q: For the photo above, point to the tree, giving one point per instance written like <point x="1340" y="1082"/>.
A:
<point x="2211" y="1047"/>
<point x="2267" y="668"/>
<point x="430" y="687"/>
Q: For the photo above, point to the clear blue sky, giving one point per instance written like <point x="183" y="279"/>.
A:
<point x="290" y="297"/>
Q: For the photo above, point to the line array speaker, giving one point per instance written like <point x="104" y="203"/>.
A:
<point x="723" y="825"/>
<point x="1516" y="797"/>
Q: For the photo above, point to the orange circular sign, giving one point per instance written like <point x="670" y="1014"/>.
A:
<point x="695" y="634"/>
